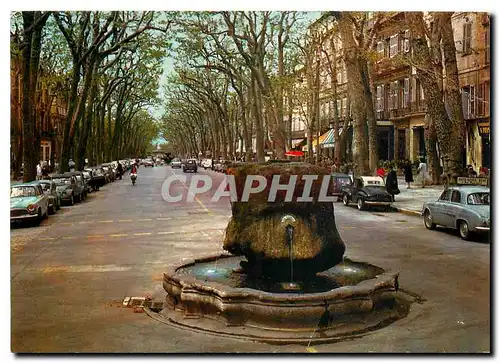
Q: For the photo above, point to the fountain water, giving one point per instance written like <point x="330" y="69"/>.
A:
<point x="280" y="287"/>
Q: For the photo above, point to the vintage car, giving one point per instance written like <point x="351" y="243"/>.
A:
<point x="28" y="202"/>
<point x="98" y="179"/>
<point x="221" y="166"/>
<point x="81" y="183"/>
<point x="49" y="189"/>
<point x="67" y="187"/>
<point x="190" y="165"/>
<point x="87" y="176"/>
<point x="176" y="163"/>
<point x="339" y="180"/>
<point x="466" y="208"/>
<point x="366" y="191"/>
<point x="110" y="171"/>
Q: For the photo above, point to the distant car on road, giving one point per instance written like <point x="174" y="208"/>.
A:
<point x="466" y="208"/>
<point x="190" y="165"/>
<point x="50" y="190"/>
<point x="206" y="163"/>
<point x="366" y="191"/>
<point x="220" y="166"/>
<point x="148" y="162"/>
<point x="176" y="163"/>
<point x="28" y="202"/>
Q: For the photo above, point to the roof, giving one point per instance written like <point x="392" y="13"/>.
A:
<point x="28" y="184"/>
<point x="470" y="188"/>
<point x="373" y="180"/>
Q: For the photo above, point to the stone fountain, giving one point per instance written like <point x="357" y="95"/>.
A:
<point x="285" y="279"/>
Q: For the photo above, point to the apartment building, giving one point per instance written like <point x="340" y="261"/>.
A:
<point x="50" y="114"/>
<point x="472" y="41"/>
<point x="399" y="97"/>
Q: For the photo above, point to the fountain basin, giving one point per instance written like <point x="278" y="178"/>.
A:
<point x="350" y="298"/>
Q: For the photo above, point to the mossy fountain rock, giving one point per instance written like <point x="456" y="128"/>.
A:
<point x="257" y="232"/>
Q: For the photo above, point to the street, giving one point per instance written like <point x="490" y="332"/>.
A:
<point x="70" y="275"/>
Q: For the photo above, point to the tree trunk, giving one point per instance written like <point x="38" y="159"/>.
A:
<point x="452" y="160"/>
<point x="356" y="90"/>
<point x="259" y="130"/>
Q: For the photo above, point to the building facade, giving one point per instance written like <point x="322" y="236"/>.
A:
<point x="472" y="40"/>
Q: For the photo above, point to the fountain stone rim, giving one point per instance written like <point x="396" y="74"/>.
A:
<point x="384" y="282"/>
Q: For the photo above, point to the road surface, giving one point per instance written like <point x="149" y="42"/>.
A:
<point x="70" y="275"/>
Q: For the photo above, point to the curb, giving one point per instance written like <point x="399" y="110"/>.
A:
<point x="409" y="212"/>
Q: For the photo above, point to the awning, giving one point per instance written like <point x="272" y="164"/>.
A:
<point x="325" y="141"/>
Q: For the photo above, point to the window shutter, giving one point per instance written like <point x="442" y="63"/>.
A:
<point x="406" y="101"/>
<point x="407" y="41"/>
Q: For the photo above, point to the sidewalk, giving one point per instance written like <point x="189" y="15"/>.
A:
<point x="410" y="201"/>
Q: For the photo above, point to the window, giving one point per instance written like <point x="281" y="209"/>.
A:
<point x="393" y="50"/>
<point x="406" y="41"/>
<point x="344" y="107"/>
<point x="467" y="38"/>
<point x="380" y="97"/>
<point x="480" y="100"/>
<point x="393" y="95"/>
<point x="380" y="50"/>
<point x="446" y="195"/>
<point x="455" y="196"/>
<point x="469" y="101"/>
<point x="479" y="199"/>
<point x="339" y="108"/>
<point x="406" y="93"/>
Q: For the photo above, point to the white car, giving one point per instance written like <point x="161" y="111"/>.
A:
<point x="207" y="163"/>
<point x="176" y="163"/>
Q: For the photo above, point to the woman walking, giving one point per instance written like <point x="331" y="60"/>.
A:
<point x="408" y="172"/>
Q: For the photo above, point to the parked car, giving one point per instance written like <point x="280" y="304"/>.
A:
<point x="207" y="163"/>
<point x="340" y="180"/>
<point x="87" y="176"/>
<point x="80" y="181"/>
<point x="109" y="172"/>
<point x="176" y="163"/>
<point x="366" y="191"/>
<point x="220" y="166"/>
<point x="190" y="165"/>
<point x="98" y="179"/>
<point x="28" y="202"/>
<point x="49" y="189"/>
<point x="466" y="208"/>
<point x="67" y="187"/>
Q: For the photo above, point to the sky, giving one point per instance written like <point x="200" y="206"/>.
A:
<point x="168" y="68"/>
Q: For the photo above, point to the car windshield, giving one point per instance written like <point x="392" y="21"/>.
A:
<point x="19" y="192"/>
<point x="343" y="181"/>
<point x="62" y="180"/>
<point x="176" y="160"/>
<point x="478" y="199"/>
<point x="45" y="186"/>
<point x="191" y="161"/>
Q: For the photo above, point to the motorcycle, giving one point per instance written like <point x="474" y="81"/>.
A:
<point x="133" y="177"/>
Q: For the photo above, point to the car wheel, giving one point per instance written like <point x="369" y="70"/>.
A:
<point x="345" y="200"/>
<point x="429" y="224"/>
<point x="72" y="200"/>
<point x="463" y="229"/>
<point x="361" y="204"/>
<point x="39" y="216"/>
<point x="58" y="204"/>
<point x="51" y="209"/>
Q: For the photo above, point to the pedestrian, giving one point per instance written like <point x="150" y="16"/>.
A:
<point x="408" y="172"/>
<point x="71" y="165"/>
<point x="422" y="172"/>
<point x="391" y="183"/>
<point x="381" y="172"/>
<point x="38" y="172"/>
